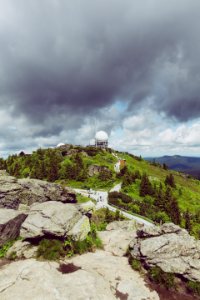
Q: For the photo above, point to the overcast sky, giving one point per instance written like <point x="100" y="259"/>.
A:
<point x="130" y="67"/>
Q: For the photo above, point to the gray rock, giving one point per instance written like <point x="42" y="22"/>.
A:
<point x="87" y="207"/>
<point x="116" y="241"/>
<point x="95" y="170"/>
<point x="52" y="218"/>
<point x="117" y="237"/>
<point x="14" y="192"/>
<point x="100" y="276"/>
<point x="22" y="249"/>
<point x="169" y="247"/>
<point x="124" y="225"/>
<point x="10" y="223"/>
<point x="80" y="230"/>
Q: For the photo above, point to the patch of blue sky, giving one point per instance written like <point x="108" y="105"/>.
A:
<point x="121" y="105"/>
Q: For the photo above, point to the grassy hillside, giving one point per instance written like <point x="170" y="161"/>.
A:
<point x="187" y="189"/>
<point x="147" y="189"/>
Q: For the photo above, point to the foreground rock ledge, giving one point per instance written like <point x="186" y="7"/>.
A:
<point x="169" y="247"/>
<point x="14" y="192"/>
<point x="100" y="276"/>
<point x="10" y="223"/>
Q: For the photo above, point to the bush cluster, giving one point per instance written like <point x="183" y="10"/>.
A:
<point x="158" y="276"/>
<point x="53" y="249"/>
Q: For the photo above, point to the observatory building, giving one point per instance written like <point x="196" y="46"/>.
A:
<point x="101" y="139"/>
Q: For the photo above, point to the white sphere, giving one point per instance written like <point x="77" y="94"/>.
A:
<point x="101" y="136"/>
<point x="60" y="145"/>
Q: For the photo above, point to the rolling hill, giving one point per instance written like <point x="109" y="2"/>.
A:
<point x="148" y="189"/>
<point x="186" y="164"/>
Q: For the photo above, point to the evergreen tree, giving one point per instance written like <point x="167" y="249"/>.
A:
<point x="172" y="207"/>
<point x="165" y="167"/>
<point x="169" y="180"/>
<point x="175" y="212"/>
<point x="160" y="200"/>
<point x="188" y="224"/>
<point x="145" y="186"/>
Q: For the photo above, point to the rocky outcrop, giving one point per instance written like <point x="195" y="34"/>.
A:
<point x="169" y="247"/>
<point x="14" y="192"/>
<point x="117" y="237"/>
<point x="10" y="223"/>
<point x="95" y="276"/>
<point x="95" y="170"/>
<point x="55" y="219"/>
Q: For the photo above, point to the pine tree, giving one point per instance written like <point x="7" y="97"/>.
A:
<point x="172" y="207"/>
<point x="160" y="200"/>
<point x="145" y="186"/>
<point x="188" y="224"/>
<point x="169" y="180"/>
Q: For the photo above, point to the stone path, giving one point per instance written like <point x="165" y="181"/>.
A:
<point x="101" y="197"/>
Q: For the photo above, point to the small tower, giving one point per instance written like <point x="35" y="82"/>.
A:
<point x="101" y="139"/>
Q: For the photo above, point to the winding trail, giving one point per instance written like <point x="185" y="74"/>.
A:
<point x="101" y="198"/>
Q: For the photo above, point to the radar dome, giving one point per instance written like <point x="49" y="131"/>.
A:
<point x="101" y="136"/>
<point x="60" y="145"/>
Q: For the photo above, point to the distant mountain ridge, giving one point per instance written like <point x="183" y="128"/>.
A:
<point x="187" y="164"/>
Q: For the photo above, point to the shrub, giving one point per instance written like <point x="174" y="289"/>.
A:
<point x="135" y="264"/>
<point x="90" y="244"/>
<point x="5" y="247"/>
<point x="158" y="276"/>
<point x="194" y="287"/>
<point x="50" y="249"/>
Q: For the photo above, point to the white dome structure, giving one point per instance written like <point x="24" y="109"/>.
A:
<point x="60" y="145"/>
<point x="101" y="139"/>
<point x="101" y="136"/>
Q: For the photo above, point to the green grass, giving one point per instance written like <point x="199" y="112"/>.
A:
<point x="190" y="188"/>
<point x="92" y="182"/>
<point x="101" y="159"/>
<point x="82" y="199"/>
<point x="5" y="248"/>
<point x="54" y="249"/>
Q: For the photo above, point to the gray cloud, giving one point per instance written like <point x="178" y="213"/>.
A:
<point x="64" y="61"/>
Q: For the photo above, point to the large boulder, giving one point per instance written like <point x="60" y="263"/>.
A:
<point x="169" y="247"/>
<point x="54" y="219"/>
<point x="14" y="192"/>
<point x="95" y="170"/>
<point x="10" y="223"/>
<point x="95" y="276"/>
<point x="118" y="235"/>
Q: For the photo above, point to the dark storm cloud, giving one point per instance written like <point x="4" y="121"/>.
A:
<point x="61" y="60"/>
